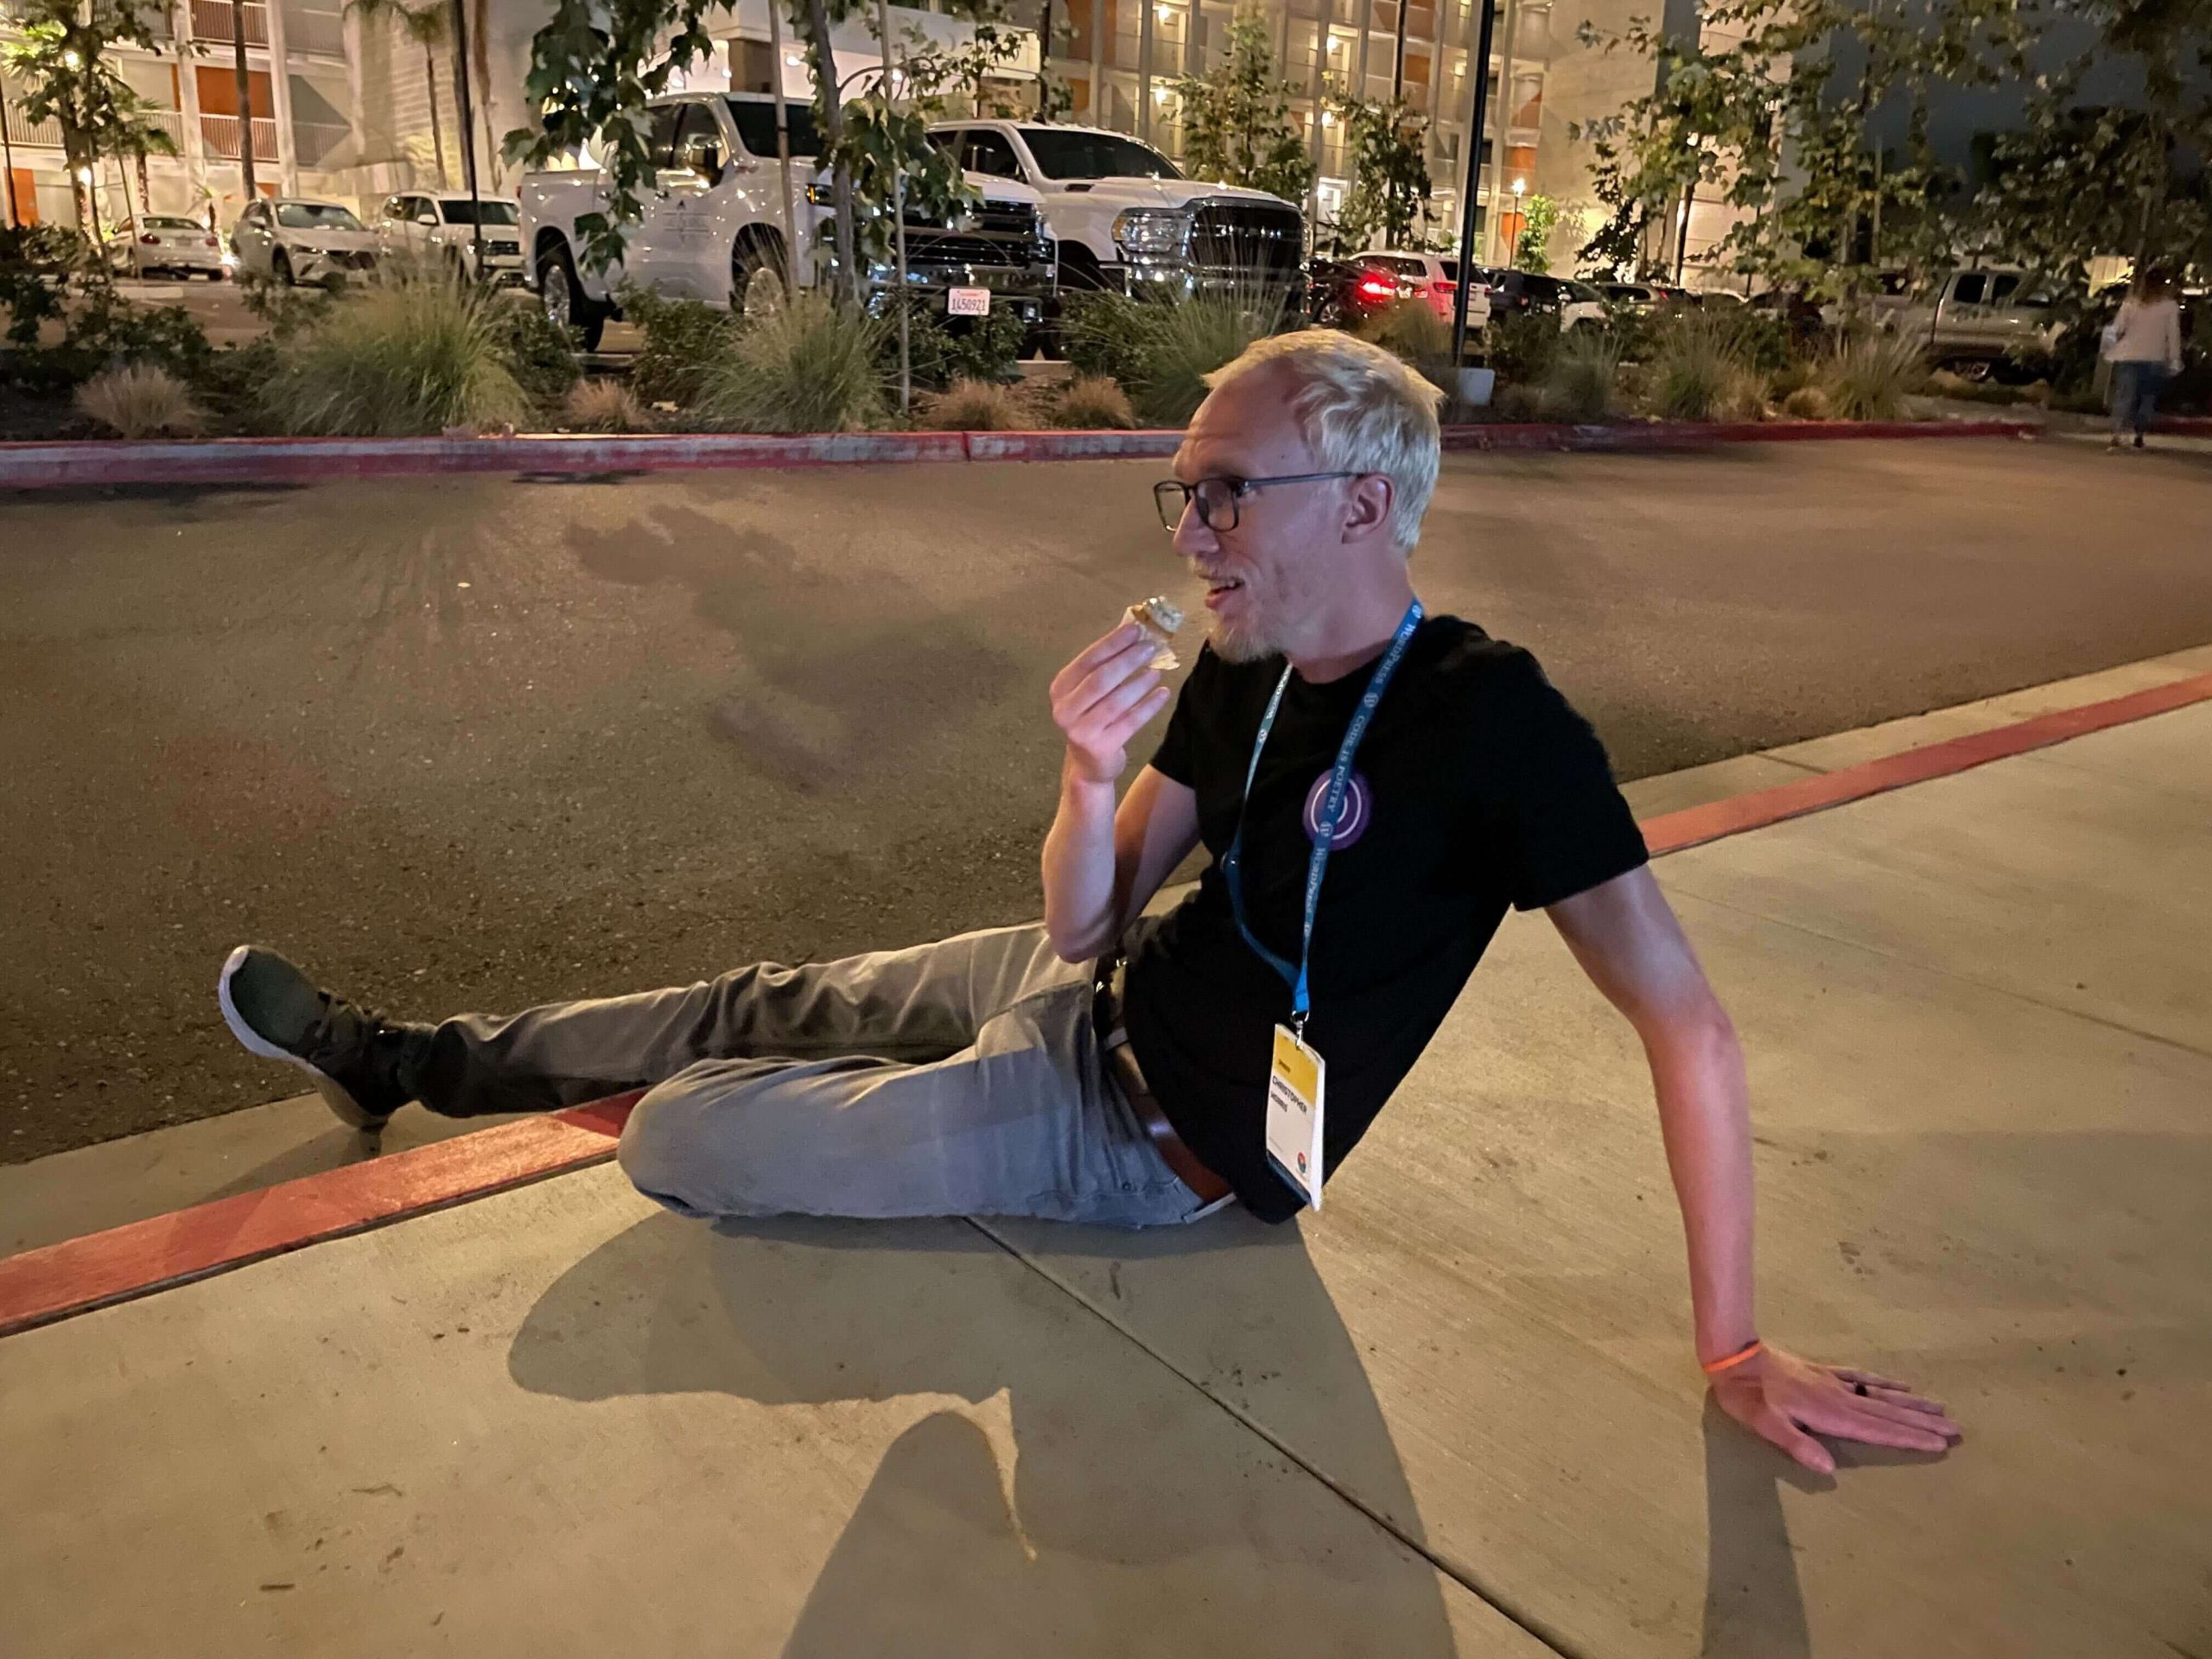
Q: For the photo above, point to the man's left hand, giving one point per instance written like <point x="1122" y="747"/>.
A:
<point x="1779" y="1396"/>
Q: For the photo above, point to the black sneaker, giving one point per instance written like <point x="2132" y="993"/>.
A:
<point x="362" y="1064"/>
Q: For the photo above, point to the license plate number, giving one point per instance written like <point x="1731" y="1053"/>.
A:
<point x="968" y="302"/>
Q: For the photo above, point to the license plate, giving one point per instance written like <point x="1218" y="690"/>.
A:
<point x="968" y="302"/>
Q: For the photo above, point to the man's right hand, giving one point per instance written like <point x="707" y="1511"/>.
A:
<point x="1102" y="699"/>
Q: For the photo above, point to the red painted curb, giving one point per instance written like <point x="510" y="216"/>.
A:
<point x="77" y="1275"/>
<point x="99" y="1269"/>
<point x="281" y="460"/>
<point x="1673" y="831"/>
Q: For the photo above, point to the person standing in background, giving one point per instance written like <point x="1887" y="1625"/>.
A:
<point x="2143" y="346"/>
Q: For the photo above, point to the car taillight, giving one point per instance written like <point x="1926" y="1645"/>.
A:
<point x="1443" y="287"/>
<point x="1378" y="288"/>
<point x="151" y="239"/>
<point x="213" y="243"/>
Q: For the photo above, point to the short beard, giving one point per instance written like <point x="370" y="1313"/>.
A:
<point x="1233" y="643"/>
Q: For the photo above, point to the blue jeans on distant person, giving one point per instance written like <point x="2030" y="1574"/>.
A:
<point x="2135" y="388"/>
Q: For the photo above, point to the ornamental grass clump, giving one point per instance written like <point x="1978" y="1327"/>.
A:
<point x="1092" y="403"/>
<point x="1869" y="379"/>
<point x="1185" y="340"/>
<point x="1411" y="331"/>
<point x="601" y="405"/>
<point x="408" y="357"/>
<point x="975" y="406"/>
<point x="807" y="366"/>
<point x="1585" y="382"/>
<point x="140" y="400"/>
<point x="1694" y="372"/>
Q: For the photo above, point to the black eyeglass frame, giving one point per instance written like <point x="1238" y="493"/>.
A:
<point x="1173" y="496"/>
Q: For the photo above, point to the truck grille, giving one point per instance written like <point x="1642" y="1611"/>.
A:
<point x="1249" y="238"/>
<point x="991" y="233"/>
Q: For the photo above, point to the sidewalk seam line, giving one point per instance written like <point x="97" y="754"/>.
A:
<point x="1528" y="1623"/>
<point x="2011" y="992"/>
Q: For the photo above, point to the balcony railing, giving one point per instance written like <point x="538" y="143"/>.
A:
<point x="211" y="22"/>
<point x="319" y="32"/>
<point x="46" y="135"/>
<point x="219" y="137"/>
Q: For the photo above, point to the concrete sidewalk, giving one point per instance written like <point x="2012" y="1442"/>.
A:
<point x="1457" y="1412"/>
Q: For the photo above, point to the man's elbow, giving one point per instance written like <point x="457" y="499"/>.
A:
<point x="1695" y="1025"/>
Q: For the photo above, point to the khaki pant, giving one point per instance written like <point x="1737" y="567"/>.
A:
<point x="961" y="1077"/>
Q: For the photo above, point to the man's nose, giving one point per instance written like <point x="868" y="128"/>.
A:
<point x="1193" y="539"/>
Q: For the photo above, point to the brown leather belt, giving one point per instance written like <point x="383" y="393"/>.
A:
<point x="1121" y="1064"/>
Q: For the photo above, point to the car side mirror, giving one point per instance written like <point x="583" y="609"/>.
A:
<point x="430" y="219"/>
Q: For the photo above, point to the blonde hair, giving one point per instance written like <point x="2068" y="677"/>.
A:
<point x="1361" y="411"/>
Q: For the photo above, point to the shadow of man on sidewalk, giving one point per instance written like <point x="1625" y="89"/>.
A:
<point x="1130" y="1513"/>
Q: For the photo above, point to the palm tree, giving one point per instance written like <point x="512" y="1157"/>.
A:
<point x="427" y="27"/>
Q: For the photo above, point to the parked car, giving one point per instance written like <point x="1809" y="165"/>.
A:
<point x="712" y="231"/>
<point x="166" y="244"/>
<point x="1346" y="293"/>
<point x="1644" y="296"/>
<point x="442" y="226"/>
<point x="292" y="239"/>
<point x="1126" y="218"/>
<point x="1976" y="319"/>
<point x="1575" y="304"/>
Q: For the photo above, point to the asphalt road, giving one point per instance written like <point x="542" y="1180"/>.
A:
<point x="478" y="742"/>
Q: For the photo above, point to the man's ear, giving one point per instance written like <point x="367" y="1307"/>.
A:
<point x="1367" y="507"/>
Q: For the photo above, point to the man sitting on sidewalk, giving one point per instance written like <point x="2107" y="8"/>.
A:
<point x="1375" y="787"/>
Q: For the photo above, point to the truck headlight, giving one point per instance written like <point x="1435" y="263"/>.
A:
<point x="1151" y="230"/>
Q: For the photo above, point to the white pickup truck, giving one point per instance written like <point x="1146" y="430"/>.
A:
<point x="1126" y="218"/>
<point x="711" y="230"/>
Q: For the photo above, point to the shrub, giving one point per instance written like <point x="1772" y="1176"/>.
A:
<point x="1522" y="346"/>
<point x="1694" y="372"/>
<point x="1584" y="381"/>
<point x="1806" y="403"/>
<point x="976" y="406"/>
<point x="140" y="400"/>
<point x="1092" y="403"/>
<point x="1187" y="340"/>
<point x="1745" y="396"/>
<point x="1411" y="331"/>
<point x="398" y="359"/>
<point x="602" y="405"/>
<point x="1870" y="377"/>
<point x="806" y="366"/>
<point x="1104" y="334"/>
<point x="541" y="357"/>
<point x="39" y="266"/>
<point x="941" y="350"/>
<point x="683" y="339"/>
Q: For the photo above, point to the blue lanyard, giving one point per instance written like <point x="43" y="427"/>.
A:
<point x="1332" y="806"/>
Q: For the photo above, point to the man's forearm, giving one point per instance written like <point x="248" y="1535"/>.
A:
<point x="1081" y="905"/>
<point x="1697" y="1070"/>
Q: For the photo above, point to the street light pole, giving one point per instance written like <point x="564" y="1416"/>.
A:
<point x="1479" y="72"/>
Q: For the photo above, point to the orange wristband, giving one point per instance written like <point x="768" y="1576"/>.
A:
<point x="1751" y="1349"/>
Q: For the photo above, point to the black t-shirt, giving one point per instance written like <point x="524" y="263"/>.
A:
<point x="1476" y="787"/>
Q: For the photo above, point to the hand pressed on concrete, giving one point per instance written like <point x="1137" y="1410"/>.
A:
<point x="1779" y="1396"/>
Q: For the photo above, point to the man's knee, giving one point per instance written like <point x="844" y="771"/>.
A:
<point x="662" y="1153"/>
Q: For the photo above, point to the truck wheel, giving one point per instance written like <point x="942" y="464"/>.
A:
<point x="568" y="307"/>
<point x="756" y="276"/>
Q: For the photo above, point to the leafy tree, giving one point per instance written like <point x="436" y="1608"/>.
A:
<point x="61" y="60"/>
<point x="1389" y="197"/>
<point x="1532" y="248"/>
<point x="1237" y="125"/>
<point x="1777" y="120"/>
<point x="2082" y="177"/>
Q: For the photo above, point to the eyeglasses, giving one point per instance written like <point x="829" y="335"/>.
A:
<point x="1216" y="498"/>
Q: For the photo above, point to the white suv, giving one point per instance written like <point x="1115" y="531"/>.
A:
<point x="441" y="226"/>
<point x="1127" y="219"/>
<point x="292" y="239"/>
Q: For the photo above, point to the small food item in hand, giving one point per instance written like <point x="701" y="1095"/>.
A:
<point x="1158" y="619"/>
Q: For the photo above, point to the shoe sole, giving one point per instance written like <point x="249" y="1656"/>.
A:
<point x="348" y="1110"/>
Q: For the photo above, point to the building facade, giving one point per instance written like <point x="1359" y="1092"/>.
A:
<point x="1120" y="59"/>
